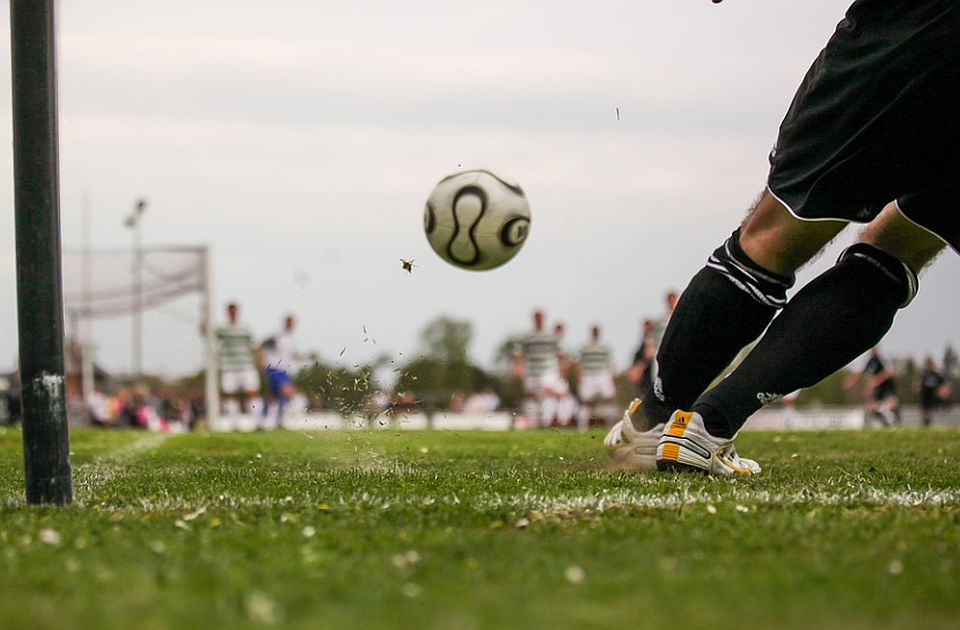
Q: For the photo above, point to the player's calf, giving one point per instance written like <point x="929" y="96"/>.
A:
<point x="727" y="305"/>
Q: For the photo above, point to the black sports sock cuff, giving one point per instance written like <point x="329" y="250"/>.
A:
<point x="714" y="421"/>
<point x="892" y="267"/>
<point x="764" y="286"/>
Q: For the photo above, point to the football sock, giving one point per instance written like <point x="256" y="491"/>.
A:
<point x="882" y="418"/>
<point x="726" y="306"/>
<point x="835" y="318"/>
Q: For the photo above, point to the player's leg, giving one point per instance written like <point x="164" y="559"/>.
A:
<point x="286" y="394"/>
<point x="834" y="319"/>
<point x="892" y="404"/>
<point x="587" y="393"/>
<point x="608" y="392"/>
<point x="872" y="412"/>
<point x="925" y="411"/>
<point x="251" y="389"/>
<point x="729" y="303"/>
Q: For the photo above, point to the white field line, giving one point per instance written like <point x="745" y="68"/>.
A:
<point x="745" y="499"/>
<point x="87" y="478"/>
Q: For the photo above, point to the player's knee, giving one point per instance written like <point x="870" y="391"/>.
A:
<point x="903" y="279"/>
<point x="762" y="285"/>
<point x="778" y="241"/>
<point x="913" y="246"/>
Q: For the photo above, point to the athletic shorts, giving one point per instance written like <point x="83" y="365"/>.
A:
<point x="537" y="385"/>
<point x="239" y="382"/>
<point x="597" y="386"/>
<point x="277" y="379"/>
<point x="876" y="120"/>
<point x="884" y="390"/>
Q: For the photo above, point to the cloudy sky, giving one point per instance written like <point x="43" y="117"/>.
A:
<point x="299" y="139"/>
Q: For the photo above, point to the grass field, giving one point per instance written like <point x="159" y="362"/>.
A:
<point x="482" y="530"/>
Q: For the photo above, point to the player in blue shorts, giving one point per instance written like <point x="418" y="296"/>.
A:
<point x="278" y="357"/>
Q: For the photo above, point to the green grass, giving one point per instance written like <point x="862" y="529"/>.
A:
<point x="477" y="530"/>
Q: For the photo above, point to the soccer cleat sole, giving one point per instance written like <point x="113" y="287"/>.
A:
<point x="666" y="465"/>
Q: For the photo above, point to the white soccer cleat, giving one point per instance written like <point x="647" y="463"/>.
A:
<point x="686" y="446"/>
<point x="632" y="449"/>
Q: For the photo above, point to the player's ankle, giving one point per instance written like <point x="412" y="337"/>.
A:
<point x="713" y="421"/>
<point x="652" y="412"/>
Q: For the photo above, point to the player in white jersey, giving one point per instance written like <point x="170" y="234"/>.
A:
<point x="279" y="358"/>
<point x="597" y="389"/>
<point x="239" y="381"/>
<point x="537" y="364"/>
<point x="566" y="402"/>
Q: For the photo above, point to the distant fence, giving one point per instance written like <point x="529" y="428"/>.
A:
<point x="773" y="419"/>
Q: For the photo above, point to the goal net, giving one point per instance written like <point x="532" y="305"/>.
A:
<point x="132" y="314"/>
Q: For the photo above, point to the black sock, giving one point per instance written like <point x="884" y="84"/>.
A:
<point x="835" y="318"/>
<point x="726" y="306"/>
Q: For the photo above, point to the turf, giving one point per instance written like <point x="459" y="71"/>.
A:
<point x="482" y="530"/>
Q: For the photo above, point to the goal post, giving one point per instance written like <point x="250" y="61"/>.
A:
<point x="101" y="296"/>
<point x="46" y="447"/>
<point x="211" y="375"/>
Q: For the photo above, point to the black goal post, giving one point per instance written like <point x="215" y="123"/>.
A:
<point x="46" y="447"/>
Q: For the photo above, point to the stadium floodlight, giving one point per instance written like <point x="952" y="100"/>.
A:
<point x="136" y="272"/>
<point x="46" y="447"/>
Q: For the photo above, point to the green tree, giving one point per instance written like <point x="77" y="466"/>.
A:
<point x="446" y="339"/>
<point x="443" y="367"/>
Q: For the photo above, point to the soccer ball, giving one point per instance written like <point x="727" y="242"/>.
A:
<point x="477" y="219"/>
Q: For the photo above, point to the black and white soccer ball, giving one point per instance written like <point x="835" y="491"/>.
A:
<point x="477" y="219"/>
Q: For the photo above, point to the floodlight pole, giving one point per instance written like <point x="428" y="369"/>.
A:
<point x="46" y="446"/>
<point x="136" y="298"/>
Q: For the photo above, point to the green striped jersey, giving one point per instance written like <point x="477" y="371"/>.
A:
<point x="540" y="354"/>
<point x="595" y="358"/>
<point x="236" y="349"/>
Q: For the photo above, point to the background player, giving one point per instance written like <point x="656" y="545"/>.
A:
<point x="239" y="381"/>
<point x="880" y="397"/>
<point x="934" y="391"/>
<point x="538" y="366"/>
<point x="566" y="402"/>
<point x="597" y="388"/>
<point x="870" y="137"/>
<point x="279" y="357"/>
<point x="641" y="370"/>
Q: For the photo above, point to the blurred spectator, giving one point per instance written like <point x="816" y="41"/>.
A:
<point x="484" y="401"/>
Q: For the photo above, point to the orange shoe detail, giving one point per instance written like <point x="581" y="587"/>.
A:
<point x="671" y="452"/>
<point x="678" y="424"/>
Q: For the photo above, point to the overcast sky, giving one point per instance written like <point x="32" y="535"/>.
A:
<point x="300" y="139"/>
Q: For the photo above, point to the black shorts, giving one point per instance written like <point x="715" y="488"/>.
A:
<point x="877" y="119"/>
<point x="884" y="390"/>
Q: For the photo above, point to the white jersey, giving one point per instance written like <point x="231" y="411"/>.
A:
<point x="284" y="352"/>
